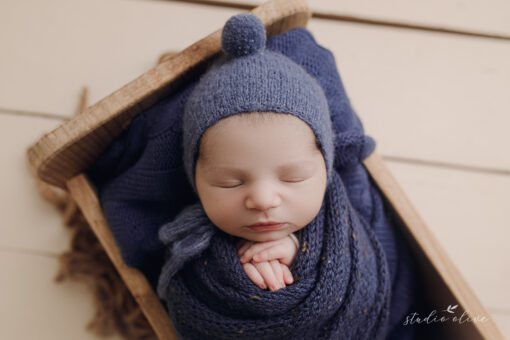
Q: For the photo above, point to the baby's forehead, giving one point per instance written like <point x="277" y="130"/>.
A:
<point x="241" y="127"/>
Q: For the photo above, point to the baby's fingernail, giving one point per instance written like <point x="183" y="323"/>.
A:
<point x="263" y="286"/>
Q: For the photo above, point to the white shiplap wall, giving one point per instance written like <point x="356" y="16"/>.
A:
<point x="425" y="96"/>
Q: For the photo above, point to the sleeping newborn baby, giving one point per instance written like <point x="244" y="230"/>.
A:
<point x="258" y="150"/>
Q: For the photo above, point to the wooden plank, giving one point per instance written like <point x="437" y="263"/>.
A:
<point x="34" y="307"/>
<point x="489" y="17"/>
<point x="149" y="303"/>
<point x="468" y="213"/>
<point x="444" y="280"/>
<point x="426" y="96"/>
<point x="28" y="222"/>
<point x="102" y="45"/>
<point x="503" y="320"/>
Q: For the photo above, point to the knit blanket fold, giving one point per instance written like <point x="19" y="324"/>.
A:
<point x="341" y="289"/>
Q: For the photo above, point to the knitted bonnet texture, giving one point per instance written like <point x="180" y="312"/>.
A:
<point x="251" y="78"/>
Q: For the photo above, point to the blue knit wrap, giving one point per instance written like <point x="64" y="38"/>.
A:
<point x="341" y="289"/>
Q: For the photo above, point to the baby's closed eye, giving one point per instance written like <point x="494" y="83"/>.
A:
<point x="294" y="179"/>
<point x="229" y="184"/>
<point x="295" y="176"/>
<point x="235" y="184"/>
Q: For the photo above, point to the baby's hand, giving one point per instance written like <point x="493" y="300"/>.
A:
<point x="283" y="250"/>
<point x="267" y="263"/>
<point x="269" y="274"/>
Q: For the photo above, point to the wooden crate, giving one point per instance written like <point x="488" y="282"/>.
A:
<point x="61" y="156"/>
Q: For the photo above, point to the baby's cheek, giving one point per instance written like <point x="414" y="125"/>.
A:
<point x="225" y="212"/>
<point x="306" y="206"/>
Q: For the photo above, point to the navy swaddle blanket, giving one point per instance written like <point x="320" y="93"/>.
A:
<point x="142" y="186"/>
<point x="341" y="288"/>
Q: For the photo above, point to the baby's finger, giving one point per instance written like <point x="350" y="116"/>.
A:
<point x="278" y="272"/>
<point x="256" y="248"/>
<point x="266" y="271"/>
<point x="287" y="274"/>
<point x="272" y="253"/>
<point x="254" y="275"/>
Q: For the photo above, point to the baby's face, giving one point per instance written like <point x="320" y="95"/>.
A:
<point x="264" y="170"/>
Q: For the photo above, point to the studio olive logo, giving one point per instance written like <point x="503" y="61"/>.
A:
<point x="449" y="314"/>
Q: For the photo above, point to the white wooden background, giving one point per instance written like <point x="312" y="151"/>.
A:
<point x="438" y="104"/>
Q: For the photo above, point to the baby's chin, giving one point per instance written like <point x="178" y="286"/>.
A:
<point x="267" y="236"/>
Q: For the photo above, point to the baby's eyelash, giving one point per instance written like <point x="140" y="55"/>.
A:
<point x="287" y="180"/>
<point x="229" y="186"/>
<point x="294" y="180"/>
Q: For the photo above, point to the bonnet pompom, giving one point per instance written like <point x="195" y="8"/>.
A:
<point x="243" y="34"/>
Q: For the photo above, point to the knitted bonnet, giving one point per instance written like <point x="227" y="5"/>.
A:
<point x="251" y="78"/>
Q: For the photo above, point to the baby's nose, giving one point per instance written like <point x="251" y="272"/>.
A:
<point x="262" y="197"/>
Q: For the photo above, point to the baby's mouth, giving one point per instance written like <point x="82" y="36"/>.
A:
<point x="268" y="226"/>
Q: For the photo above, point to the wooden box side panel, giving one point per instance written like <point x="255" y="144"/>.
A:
<point x="85" y="197"/>
<point x="444" y="283"/>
